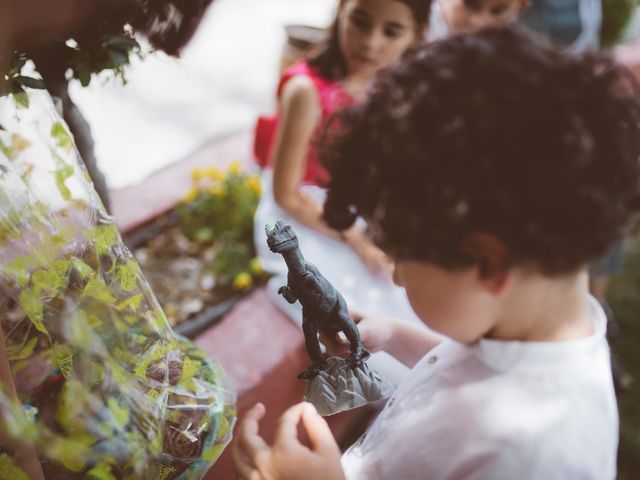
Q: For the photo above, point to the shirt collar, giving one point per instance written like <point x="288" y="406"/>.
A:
<point x="541" y="357"/>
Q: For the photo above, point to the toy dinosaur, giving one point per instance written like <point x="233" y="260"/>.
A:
<point x="323" y="307"/>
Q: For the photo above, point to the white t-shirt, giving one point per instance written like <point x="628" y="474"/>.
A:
<point x="498" y="410"/>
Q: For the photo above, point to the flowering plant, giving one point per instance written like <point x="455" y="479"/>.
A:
<point x="219" y="209"/>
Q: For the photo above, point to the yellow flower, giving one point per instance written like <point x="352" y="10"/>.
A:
<point x="256" y="266"/>
<point x="191" y="195"/>
<point x="214" y="173"/>
<point x="242" y="281"/>
<point x="254" y="184"/>
<point x="235" y="168"/>
<point x="218" y="190"/>
<point x="197" y="174"/>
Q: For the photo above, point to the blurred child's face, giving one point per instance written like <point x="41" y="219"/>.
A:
<point x="374" y="33"/>
<point x="489" y="13"/>
<point x="456" y="303"/>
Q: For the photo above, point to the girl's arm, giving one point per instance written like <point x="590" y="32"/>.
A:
<point x="300" y="115"/>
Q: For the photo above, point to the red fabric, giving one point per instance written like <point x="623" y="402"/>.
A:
<point x="332" y="97"/>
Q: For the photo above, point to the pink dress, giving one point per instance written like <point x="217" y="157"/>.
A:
<point x="332" y="97"/>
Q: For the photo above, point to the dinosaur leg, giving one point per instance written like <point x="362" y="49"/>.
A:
<point x="358" y="353"/>
<point x="312" y="343"/>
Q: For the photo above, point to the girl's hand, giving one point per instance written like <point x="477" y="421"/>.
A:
<point x="287" y="459"/>
<point x="373" y="258"/>
<point x="375" y="332"/>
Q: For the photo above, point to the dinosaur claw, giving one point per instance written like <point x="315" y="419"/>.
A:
<point x="311" y="372"/>
<point x="357" y="358"/>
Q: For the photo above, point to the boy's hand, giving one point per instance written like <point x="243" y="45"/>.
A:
<point x="375" y="332"/>
<point x="287" y="459"/>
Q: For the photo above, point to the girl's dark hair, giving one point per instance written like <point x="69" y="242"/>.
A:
<point x="491" y="132"/>
<point x="330" y="60"/>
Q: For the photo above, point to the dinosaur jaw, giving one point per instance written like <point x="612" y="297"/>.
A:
<point x="284" y="246"/>
<point x="281" y="237"/>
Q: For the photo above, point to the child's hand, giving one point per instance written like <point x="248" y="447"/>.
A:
<point x="373" y="258"/>
<point x="287" y="459"/>
<point x="375" y="333"/>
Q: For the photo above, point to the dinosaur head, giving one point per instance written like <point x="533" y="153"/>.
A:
<point x="281" y="237"/>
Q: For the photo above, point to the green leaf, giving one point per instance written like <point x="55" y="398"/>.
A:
<point x="165" y="472"/>
<point x="189" y="369"/>
<point x="96" y="288"/>
<point x="72" y="454"/>
<point x="20" y="352"/>
<point x="61" y="135"/>
<point x="121" y="42"/>
<point x="63" y="356"/>
<point x="9" y="470"/>
<point x="120" y="414"/>
<point x="134" y="303"/>
<point x="31" y="82"/>
<point x="62" y="174"/>
<point x="129" y="274"/>
<point x="21" y="61"/>
<point x="102" y="471"/>
<point x="119" y="374"/>
<point x="19" y="366"/>
<point x="21" y="99"/>
<point x="204" y="235"/>
<point x="69" y="404"/>
<point x="212" y="452"/>
<point x="32" y="306"/>
<point x="53" y="279"/>
<point x="18" y="269"/>
<point x="84" y="270"/>
<point x="117" y="57"/>
<point x="93" y="321"/>
<point x="7" y="150"/>
<point x="106" y="237"/>
<point x="84" y="75"/>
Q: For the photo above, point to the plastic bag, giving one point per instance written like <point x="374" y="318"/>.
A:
<point x="106" y="389"/>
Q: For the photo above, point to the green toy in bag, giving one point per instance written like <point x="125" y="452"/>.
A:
<point x="106" y="390"/>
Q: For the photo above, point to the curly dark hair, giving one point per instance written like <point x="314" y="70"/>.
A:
<point x="491" y="132"/>
<point x="330" y="61"/>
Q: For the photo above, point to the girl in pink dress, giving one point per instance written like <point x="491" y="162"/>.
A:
<point x="366" y="37"/>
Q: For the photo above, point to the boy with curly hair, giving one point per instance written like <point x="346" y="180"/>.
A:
<point x="492" y="170"/>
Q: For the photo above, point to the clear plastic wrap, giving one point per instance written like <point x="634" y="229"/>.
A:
<point x="105" y="389"/>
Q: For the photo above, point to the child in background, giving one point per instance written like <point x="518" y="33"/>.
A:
<point x="367" y="36"/>
<point x="457" y="16"/>
<point x="572" y="25"/>
<point x="498" y="169"/>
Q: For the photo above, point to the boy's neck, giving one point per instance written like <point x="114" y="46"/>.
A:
<point x="545" y="310"/>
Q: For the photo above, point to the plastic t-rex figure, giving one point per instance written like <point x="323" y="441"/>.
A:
<point x="323" y="307"/>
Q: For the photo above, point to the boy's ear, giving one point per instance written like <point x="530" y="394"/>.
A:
<point x="491" y="257"/>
